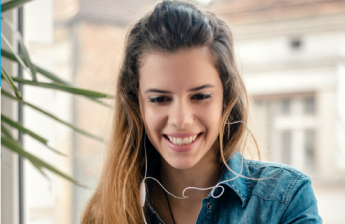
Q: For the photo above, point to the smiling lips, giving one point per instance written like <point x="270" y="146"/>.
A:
<point x="182" y="141"/>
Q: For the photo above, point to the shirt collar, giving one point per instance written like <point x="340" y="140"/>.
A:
<point x="239" y="185"/>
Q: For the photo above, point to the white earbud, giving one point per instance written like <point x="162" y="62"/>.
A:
<point x="142" y="193"/>
<point x="142" y="185"/>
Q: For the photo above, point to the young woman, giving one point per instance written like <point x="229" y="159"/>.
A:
<point x="179" y="129"/>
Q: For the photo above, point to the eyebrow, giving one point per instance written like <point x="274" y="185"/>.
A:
<point x="152" y="90"/>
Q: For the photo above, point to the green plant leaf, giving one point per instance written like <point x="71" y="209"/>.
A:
<point x="22" y="48"/>
<point x="56" y="151"/>
<point x="5" y="93"/>
<point x="12" y="4"/>
<point x="39" y="168"/>
<point x="44" y="72"/>
<point x="57" y="86"/>
<point x="19" y="58"/>
<point x="28" y="132"/>
<point x="22" y="129"/>
<point x="49" y="75"/>
<point x="15" y="147"/>
<point x="10" y="82"/>
<point x="6" y="132"/>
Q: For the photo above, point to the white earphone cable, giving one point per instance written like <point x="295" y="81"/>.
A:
<point x="196" y="188"/>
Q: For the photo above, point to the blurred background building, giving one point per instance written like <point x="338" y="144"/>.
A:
<point x="292" y="56"/>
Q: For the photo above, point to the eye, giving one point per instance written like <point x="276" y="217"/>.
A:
<point x="160" y="99"/>
<point x="201" y="96"/>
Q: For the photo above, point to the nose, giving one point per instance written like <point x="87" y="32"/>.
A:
<point x="180" y="115"/>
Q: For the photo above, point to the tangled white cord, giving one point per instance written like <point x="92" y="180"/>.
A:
<point x="143" y="187"/>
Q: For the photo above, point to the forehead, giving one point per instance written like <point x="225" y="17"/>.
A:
<point x="185" y="68"/>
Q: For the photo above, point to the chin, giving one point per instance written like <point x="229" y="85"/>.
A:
<point x="182" y="164"/>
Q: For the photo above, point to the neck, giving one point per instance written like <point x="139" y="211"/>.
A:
<point x="204" y="174"/>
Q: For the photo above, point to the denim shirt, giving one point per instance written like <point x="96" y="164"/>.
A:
<point x="281" y="195"/>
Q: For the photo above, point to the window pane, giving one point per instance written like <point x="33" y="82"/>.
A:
<point x="309" y="105"/>
<point x="286" y="146"/>
<point x="285" y="106"/>
<point x="309" y="146"/>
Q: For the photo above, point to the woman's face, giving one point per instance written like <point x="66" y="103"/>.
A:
<point x="181" y="102"/>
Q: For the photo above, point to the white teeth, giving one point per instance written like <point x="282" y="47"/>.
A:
<point x="174" y="140"/>
<point x="182" y="141"/>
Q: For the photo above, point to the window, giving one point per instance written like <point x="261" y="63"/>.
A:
<point x="309" y="147"/>
<point x="286" y="146"/>
<point x="295" y="43"/>
<point x="285" y="106"/>
<point x="309" y="105"/>
<point x="290" y="129"/>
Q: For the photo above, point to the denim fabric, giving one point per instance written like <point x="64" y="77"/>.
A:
<point x="282" y="195"/>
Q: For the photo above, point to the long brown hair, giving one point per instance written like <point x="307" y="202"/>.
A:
<point x="172" y="25"/>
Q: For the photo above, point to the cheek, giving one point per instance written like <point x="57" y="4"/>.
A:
<point x="211" y="117"/>
<point x="150" y="114"/>
<point x="154" y="122"/>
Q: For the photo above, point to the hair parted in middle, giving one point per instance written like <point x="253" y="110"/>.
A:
<point x="171" y="26"/>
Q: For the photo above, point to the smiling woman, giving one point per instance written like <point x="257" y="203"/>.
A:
<point x="180" y="121"/>
<point x="181" y="97"/>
